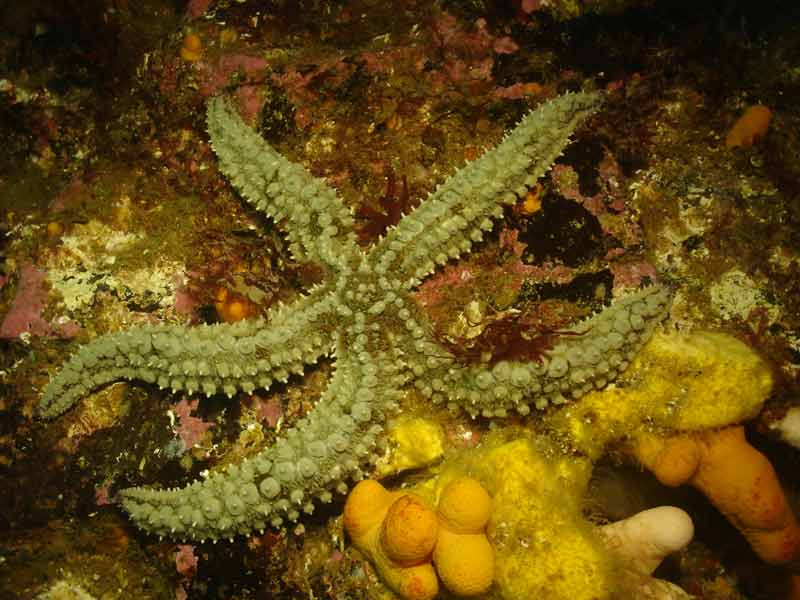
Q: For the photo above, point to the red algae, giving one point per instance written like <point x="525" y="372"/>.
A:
<point x="190" y="429"/>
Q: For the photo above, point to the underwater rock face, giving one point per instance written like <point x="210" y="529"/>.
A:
<point x="65" y="559"/>
<point x="365" y="316"/>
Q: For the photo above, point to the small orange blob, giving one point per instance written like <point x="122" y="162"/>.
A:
<point x="750" y="127"/>
<point x="532" y="89"/>
<point x="54" y="229"/>
<point x="465" y="506"/>
<point x="228" y="36"/>
<point x="394" y="121"/>
<point x="233" y="307"/>
<point x="532" y="202"/>
<point x="192" y="49"/>
<point x="471" y="152"/>
<point x="677" y="459"/>
<point x="366" y="508"/>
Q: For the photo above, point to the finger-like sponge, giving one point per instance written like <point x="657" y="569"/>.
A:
<point x="396" y="531"/>
<point x="463" y="556"/>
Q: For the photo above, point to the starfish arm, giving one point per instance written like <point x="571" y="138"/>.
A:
<point x="318" y="225"/>
<point x="311" y="462"/>
<point x="587" y="356"/>
<point x="212" y="359"/>
<point x="459" y="211"/>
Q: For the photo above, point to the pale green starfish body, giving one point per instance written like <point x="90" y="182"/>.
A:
<point x="364" y="315"/>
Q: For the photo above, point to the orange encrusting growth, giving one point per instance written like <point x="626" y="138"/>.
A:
<point x="463" y="556"/>
<point x="391" y="528"/>
<point x="736" y="478"/>
<point x="232" y="307"/>
<point x="750" y="127"/>
<point x="532" y="202"/>
<point x="192" y="49"/>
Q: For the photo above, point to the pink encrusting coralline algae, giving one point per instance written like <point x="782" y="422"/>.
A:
<point x="25" y="314"/>
<point x="190" y="429"/>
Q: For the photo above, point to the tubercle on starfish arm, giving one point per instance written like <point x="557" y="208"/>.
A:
<point x="365" y="315"/>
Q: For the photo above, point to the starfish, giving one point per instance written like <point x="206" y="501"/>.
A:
<point x="364" y="315"/>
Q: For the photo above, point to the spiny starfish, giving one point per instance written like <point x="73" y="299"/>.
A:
<point x="364" y="315"/>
